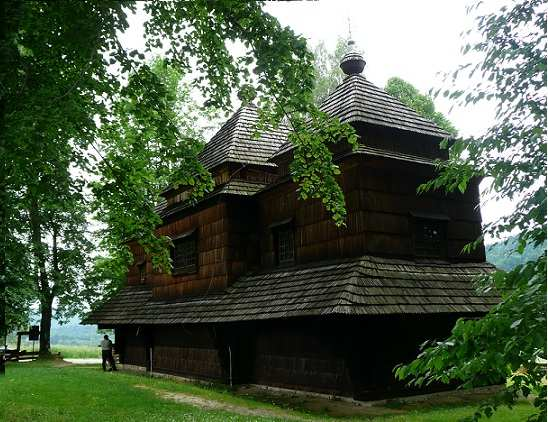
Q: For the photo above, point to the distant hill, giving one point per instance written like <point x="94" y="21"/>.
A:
<point x="74" y="333"/>
<point x="71" y="333"/>
<point x="504" y="256"/>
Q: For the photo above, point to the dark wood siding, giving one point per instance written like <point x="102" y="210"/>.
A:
<point x="343" y="355"/>
<point x="234" y="234"/>
<point x="186" y="351"/>
<point x="301" y="355"/>
<point x="380" y="197"/>
<point x="212" y="232"/>
<point x="132" y="344"/>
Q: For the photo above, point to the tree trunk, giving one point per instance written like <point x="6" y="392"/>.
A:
<point x="42" y="282"/>
<point x="45" y="326"/>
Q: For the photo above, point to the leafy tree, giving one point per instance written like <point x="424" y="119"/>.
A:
<point x="422" y="104"/>
<point x="59" y="247"/>
<point x="64" y="81"/>
<point x="140" y="144"/>
<point x="509" y="339"/>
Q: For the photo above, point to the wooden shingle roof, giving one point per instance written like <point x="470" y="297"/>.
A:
<point x="361" y="286"/>
<point x="235" y="142"/>
<point x="358" y="100"/>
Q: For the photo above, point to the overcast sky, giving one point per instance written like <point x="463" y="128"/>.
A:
<point x="414" y="40"/>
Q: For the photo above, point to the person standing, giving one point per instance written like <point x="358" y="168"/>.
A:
<point x="106" y="354"/>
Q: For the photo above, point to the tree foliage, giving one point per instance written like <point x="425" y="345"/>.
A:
<point x="155" y="144"/>
<point x="508" y="341"/>
<point x="74" y="102"/>
<point x="422" y="104"/>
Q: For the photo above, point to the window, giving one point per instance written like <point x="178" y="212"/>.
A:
<point x="284" y="241"/>
<point x="286" y="245"/>
<point x="142" y="272"/>
<point x="430" y="237"/>
<point x="185" y="253"/>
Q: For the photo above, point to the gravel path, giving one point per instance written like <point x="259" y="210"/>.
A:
<point x="83" y="361"/>
<point x="204" y="403"/>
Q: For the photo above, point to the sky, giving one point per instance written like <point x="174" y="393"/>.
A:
<point x="417" y="41"/>
<point x="414" y="40"/>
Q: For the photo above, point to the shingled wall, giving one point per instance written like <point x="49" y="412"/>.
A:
<point x="380" y="197"/>
<point x="342" y="355"/>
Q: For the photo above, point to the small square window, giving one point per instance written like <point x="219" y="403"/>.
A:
<point x="285" y="245"/>
<point x="430" y="238"/>
<point x="185" y="255"/>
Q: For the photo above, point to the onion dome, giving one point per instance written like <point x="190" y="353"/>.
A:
<point x="353" y="62"/>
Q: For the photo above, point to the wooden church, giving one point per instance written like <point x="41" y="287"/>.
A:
<point x="265" y="289"/>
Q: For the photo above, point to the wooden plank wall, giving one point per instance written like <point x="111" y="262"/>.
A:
<point x="243" y="240"/>
<point x="133" y="276"/>
<point x="300" y="354"/>
<point x="233" y="234"/>
<point x="400" y="141"/>
<point x="227" y="247"/>
<point x="187" y="350"/>
<point x="227" y="241"/>
<point x="380" y="194"/>
<point x="132" y="345"/>
<point x="212" y="227"/>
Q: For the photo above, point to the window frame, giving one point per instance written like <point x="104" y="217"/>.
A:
<point x="142" y="268"/>
<point x="190" y="237"/>
<point x="436" y="249"/>
<point x="278" y="228"/>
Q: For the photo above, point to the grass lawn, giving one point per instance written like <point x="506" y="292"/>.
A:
<point x="74" y="351"/>
<point x="49" y="391"/>
<point x="66" y="350"/>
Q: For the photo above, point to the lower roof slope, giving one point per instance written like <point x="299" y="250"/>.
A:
<point x="360" y="286"/>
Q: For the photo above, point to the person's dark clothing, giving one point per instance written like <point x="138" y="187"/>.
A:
<point x="107" y="357"/>
<point x="106" y="354"/>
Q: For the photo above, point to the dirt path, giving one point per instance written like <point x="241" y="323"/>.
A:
<point x="210" y="404"/>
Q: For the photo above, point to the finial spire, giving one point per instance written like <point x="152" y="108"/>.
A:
<point x="349" y="31"/>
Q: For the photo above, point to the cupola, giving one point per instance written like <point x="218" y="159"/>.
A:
<point x="352" y="62"/>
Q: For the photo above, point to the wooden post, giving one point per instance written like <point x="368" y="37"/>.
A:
<point x="18" y="348"/>
<point x="230" y="365"/>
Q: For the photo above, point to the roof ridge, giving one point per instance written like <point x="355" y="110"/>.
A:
<point x="348" y="286"/>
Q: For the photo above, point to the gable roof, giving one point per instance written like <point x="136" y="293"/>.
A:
<point x="365" y="285"/>
<point x="234" y="142"/>
<point x="358" y="100"/>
